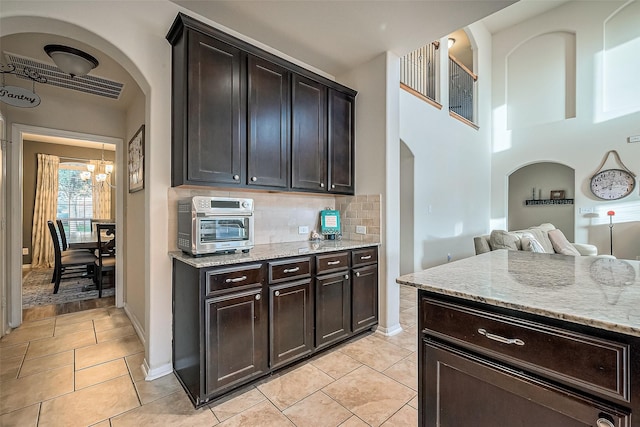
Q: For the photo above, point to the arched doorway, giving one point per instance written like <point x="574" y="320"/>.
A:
<point x="536" y="182"/>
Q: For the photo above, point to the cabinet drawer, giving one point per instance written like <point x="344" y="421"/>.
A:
<point x="298" y="268"/>
<point x="223" y="280"/>
<point x="332" y="262"/>
<point x="593" y="364"/>
<point x="364" y="256"/>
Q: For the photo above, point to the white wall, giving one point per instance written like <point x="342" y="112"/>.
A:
<point x="579" y="142"/>
<point x="452" y="166"/>
<point x="377" y="165"/>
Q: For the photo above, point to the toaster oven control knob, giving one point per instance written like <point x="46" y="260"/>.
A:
<point x="245" y="204"/>
<point x="254" y="179"/>
<point x="236" y="177"/>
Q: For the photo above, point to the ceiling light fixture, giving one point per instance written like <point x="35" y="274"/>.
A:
<point x="70" y="60"/>
<point x="451" y="42"/>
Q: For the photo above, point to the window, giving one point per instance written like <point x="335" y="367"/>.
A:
<point x="75" y="195"/>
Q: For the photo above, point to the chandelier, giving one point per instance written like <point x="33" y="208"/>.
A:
<point x="101" y="173"/>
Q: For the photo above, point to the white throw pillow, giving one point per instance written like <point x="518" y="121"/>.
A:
<point x="502" y="239"/>
<point x="531" y="244"/>
<point x="560" y="243"/>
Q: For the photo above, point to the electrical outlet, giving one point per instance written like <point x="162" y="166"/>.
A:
<point x="634" y="138"/>
<point x="361" y="229"/>
<point x="585" y="210"/>
<point x="303" y="229"/>
<point x="25" y="251"/>
<point x="448" y="257"/>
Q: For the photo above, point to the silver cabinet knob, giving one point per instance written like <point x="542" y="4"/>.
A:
<point x="322" y="185"/>
<point x="333" y="186"/>
<point x="357" y="274"/>
<point x="236" y="177"/>
<point x="258" y="297"/>
<point x="277" y="293"/>
<point x="254" y="179"/>
<point x="346" y="276"/>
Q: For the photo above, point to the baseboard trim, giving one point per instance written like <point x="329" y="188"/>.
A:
<point x="160" y="371"/>
<point x="136" y="325"/>
<point x="389" y="332"/>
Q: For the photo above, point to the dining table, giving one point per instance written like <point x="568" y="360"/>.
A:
<point x="85" y="239"/>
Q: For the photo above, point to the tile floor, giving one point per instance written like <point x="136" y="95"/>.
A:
<point x="83" y="369"/>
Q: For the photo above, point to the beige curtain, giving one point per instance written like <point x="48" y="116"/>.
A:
<point x="101" y="197"/>
<point x="46" y="205"/>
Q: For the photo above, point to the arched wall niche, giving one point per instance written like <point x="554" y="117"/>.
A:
<point x="539" y="179"/>
<point x="541" y="80"/>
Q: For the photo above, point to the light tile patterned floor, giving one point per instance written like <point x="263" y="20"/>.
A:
<point x="83" y="369"/>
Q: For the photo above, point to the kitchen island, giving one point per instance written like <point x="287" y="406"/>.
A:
<point x="519" y="338"/>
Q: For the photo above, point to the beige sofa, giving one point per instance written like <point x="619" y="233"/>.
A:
<point x="544" y="238"/>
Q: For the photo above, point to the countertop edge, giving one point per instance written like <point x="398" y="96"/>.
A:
<point x="581" y="320"/>
<point x="270" y="251"/>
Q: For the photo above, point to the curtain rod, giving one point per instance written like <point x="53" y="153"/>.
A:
<point x="74" y="158"/>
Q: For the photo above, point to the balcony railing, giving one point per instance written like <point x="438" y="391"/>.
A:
<point x="461" y="90"/>
<point x="419" y="70"/>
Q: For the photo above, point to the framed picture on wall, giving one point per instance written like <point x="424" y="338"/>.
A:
<point x="557" y="194"/>
<point x="136" y="161"/>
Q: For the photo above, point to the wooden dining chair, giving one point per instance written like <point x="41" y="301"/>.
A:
<point x="106" y="253"/>
<point x="67" y="248"/>
<point x="74" y="264"/>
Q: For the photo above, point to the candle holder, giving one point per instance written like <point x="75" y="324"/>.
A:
<point x="611" y="214"/>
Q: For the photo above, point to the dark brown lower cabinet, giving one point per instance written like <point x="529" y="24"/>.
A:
<point x="235" y="339"/>
<point x="333" y="308"/>
<point x="236" y="323"/>
<point x="460" y="389"/>
<point x="290" y="321"/>
<point x="364" y="298"/>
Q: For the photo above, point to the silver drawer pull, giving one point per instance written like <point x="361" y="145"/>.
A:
<point x="366" y="257"/>
<point x="498" y="338"/>
<point x="333" y="262"/>
<point x="236" y="280"/>
<point x="291" y="270"/>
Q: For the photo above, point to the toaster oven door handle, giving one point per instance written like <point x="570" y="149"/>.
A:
<point x="236" y="280"/>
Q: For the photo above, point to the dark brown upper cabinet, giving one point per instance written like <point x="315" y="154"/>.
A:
<point x="309" y="135"/>
<point x="341" y="142"/>
<point x="209" y="140"/>
<point x="243" y="117"/>
<point x="268" y="128"/>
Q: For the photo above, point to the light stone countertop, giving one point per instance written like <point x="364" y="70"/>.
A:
<point x="271" y="251"/>
<point x="598" y="292"/>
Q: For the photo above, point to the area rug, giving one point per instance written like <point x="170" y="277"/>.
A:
<point x="37" y="289"/>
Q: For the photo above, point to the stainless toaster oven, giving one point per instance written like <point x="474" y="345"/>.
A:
<point x="208" y="225"/>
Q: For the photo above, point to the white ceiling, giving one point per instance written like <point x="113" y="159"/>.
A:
<point x="337" y="36"/>
<point x="333" y="36"/>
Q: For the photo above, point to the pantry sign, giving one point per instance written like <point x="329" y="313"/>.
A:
<point x="19" y="97"/>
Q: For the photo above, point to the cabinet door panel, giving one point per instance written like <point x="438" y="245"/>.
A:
<point x="309" y="135"/>
<point x="364" y="298"/>
<point x="216" y="117"/>
<point x="341" y="142"/>
<point x="333" y="308"/>
<point x="464" y="390"/>
<point x="291" y="321"/>
<point x="235" y="339"/>
<point x="268" y="131"/>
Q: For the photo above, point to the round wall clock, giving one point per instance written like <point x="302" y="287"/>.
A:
<point x="612" y="184"/>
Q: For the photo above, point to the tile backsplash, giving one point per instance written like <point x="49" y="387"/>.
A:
<point x="277" y="216"/>
<point x="361" y="210"/>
